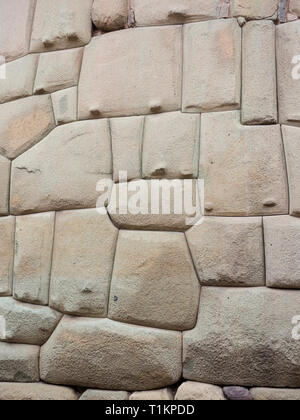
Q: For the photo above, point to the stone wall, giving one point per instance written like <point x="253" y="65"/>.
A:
<point x="99" y="305"/>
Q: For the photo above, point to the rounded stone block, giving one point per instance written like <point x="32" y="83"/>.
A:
<point x="36" y="392"/>
<point x="97" y="395"/>
<point x="164" y="394"/>
<point x="199" y="392"/>
<point x="273" y="394"/>
<point x="110" y="15"/>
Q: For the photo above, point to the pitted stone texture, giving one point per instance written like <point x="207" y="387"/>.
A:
<point x="255" y="9"/>
<point x="58" y="70"/>
<point x="84" y="248"/>
<point x="259" y="85"/>
<point x="127" y="138"/>
<point x="19" y="78"/>
<point x="212" y="66"/>
<point x="171" y="146"/>
<point x="81" y="350"/>
<point x="61" y="24"/>
<point x="291" y="138"/>
<point x="97" y="395"/>
<point x="167" y="12"/>
<point x="19" y="363"/>
<point x="35" y="392"/>
<point x="33" y="257"/>
<point x="199" y="392"/>
<point x="62" y="171"/>
<point x="170" y="205"/>
<point x="244" y="167"/>
<point x="294" y="7"/>
<point x="243" y="336"/>
<point x="236" y="243"/>
<point x="282" y="238"/>
<point x="23" y="123"/>
<point x="4" y="185"/>
<point x="237" y="393"/>
<point x="273" y="394"/>
<point x="15" y="29"/>
<point x="65" y="105"/>
<point x="288" y="70"/>
<point x="110" y="15"/>
<point x="164" y="394"/>
<point x="137" y="82"/>
<point x="27" y="324"/>
<point x="7" y="240"/>
<point x="154" y="283"/>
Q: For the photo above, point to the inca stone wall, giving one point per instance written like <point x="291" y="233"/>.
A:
<point x="111" y="305"/>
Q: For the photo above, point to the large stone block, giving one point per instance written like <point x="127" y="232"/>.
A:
<point x="15" y="28"/>
<point x="35" y="392"/>
<point x="294" y="7"/>
<point x="244" y="337"/>
<point x="275" y="394"/>
<point x="19" y="363"/>
<point x="288" y="73"/>
<point x="244" y="167"/>
<point x="7" y="241"/>
<point x="167" y="12"/>
<point x="199" y="392"/>
<point x="110" y="15"/>
<point x="65" y="105"/>
<point x="282" y="238"/>
<point x="171" y="146"/>
<point x="27" y="324"/>
<point x="84" y="248"/>
<point x="23" y="123"/>
<point x="164" y="394"/>
<point x="62" y="171"/>
<point x="259" y="85"/>
<point x="33" y="257"/>
<point x="255" y="9"/>
<point x="154" y="282"/>
<point x="4" y="185"/>
<point x="81" y="350"/>
<point x="236" y="243"/>
<point x="120" y="81"/>
<point x="61" y="24"/>
<point x="97" y="395"/>
<point x="212" y="66"/>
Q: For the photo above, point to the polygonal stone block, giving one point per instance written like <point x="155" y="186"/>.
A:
<point x="110" y="15"/>
<point x="164" y="394"/>
<point x="65" y="105"/>
<point x="200" y="392"/>
<point x="7" y="240"/>
<point x="36" y="392"/>
<point x="4" y="185"/>
<point x="255" y="9"/>
<point x="97" y="395"/>
<point x="275" y="394"/>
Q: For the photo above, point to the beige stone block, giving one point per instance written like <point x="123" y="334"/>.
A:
<point x="35" y="392"/>
<point x="236" y="243"/>
<point x="33" y="257"/>
<point x="199" y="392"/>
<point x="244" y="167"/>
<point x="7" y="235"/>
<point x="4" y="185"/>
<point x="81" y="350"/>
<point x="120" y="81"/>
<point x="255" y="9"/>
<point x="65" y="105"/>
<point x="110" y="15"/>
<point x="294" y="7"/>
<point x="97" y="395"/>
<point x="84" y="248"/>
<point x="23" y="123"/>
<point x="275" y="394"/>
<point x="212" y="48"/>
<point x="164" y="394"/>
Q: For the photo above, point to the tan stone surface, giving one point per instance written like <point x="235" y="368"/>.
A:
<point x="7" y="235"/>
<point x="97" y="395"/>
<point x="273" y="394"/>
<point x="35" y="392"/>
<point x="199" y="392"/>
<point x="164" y="394"/>
<point x="65" y="105"/>
<point x="294" y="7"/>
<point x="4" y="185"/>
<point x="255" y="9"/>
<point x="110" y="15"/>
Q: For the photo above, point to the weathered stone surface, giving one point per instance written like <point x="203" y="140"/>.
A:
<point x="7" y="240"/>
<point x="15" y="28"/>
<point x="81" y="350"/>
<point x="240" y="339"/>
<point x="97" y="395"/>
<point x="255" y="9"/>
<point x="62" y="171"/>
<point x="273" y="394"/>
<point x="33" y="257"/>
<point x="58" y="70"/>
<point x="294" y="7"/>
<point x="137" y="82"/>
<point x="23" y="123"/>
<point x="35" y="392"/>
<point x="236" y="243"/>
<point x="155" y="395"/>
<point x="282" y="237"/>
<point x="171" y="146"/>
<point x="27" y="324"/>
<point x="200" y="392"/>
<point x="291" y="138"/>
<point x="127" y="138"/>
<point x="212" y="48"/>
<point x="65" y="105"/>
<point x="259" y="90"/>
<point x="4" y="185"/>
<point x="288" y="46"/>
<point x="237" y="393"/>
<point x="84" y="248"/>
<point x="19" y="363"/>
<point x="110" y="15"/>
<point x="61" y="24"/>
<point x="168" y="12"/>
<point x="244" y="167"/>
<point x="154" y="282"/>
<point x="19" y="78"/>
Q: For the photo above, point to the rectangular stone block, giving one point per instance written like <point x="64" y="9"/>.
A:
<point x="7" y="238"/>
<point x="259" y="85"/>
<point x="4" y="185"/>
<point x="255" y="9"/>
<point x="212" y="66"/>
<point x="36" y="392"/>
<point x="65" y="105"/>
